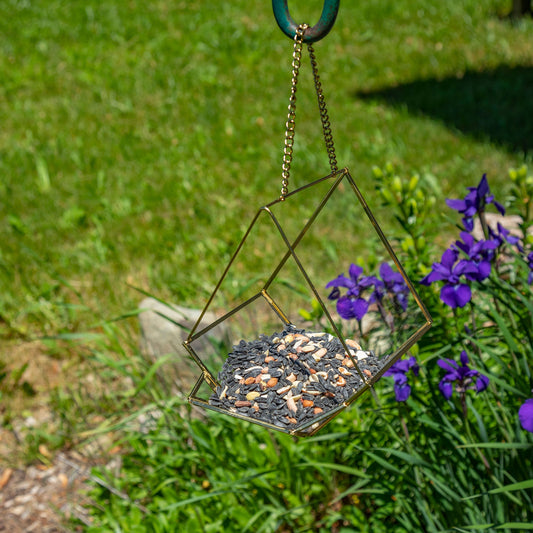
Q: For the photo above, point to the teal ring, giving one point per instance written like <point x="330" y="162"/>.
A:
<point x="313" y="34"/>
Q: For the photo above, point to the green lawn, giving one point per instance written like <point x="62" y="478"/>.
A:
<point x="137" y="139"/>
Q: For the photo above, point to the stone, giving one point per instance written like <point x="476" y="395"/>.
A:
<point x="510" y="222"/>
<point x="164" y="328"/>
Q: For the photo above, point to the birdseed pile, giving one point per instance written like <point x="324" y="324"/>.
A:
<point x="289" y="378"/>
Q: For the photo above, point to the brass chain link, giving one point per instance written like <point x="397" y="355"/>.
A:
<point x="290" y="124"/>
<point x="291" y="117"/>
<point x="324" y="117"/>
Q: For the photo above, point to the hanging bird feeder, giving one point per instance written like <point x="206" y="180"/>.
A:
<point x="277" y="364"/>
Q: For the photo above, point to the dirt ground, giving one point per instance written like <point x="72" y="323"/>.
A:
<point x="43" y="498"/>
<point x="38" y="495"/>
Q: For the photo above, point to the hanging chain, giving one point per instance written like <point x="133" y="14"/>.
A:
<point x="326" y="125"/>
<point x="290" y="124"/>
<point x="291" y="117"/>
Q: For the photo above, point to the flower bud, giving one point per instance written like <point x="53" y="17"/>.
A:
<point x="407" y="244"/>
<point x="413" y="182"/>
<point x="306" y="315"/>
<point x="412" y="205"/>
<point x="378" y="173"/>
<point x="513" y="174"/>
<point x="420" y="243"/>
<point x="396" y="184"/>
<point x="317" y="309"/>
<point x="386" y="195"/>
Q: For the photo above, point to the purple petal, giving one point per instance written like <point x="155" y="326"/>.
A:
<point x="334" y="294"/>
<point x="388" y="275"/>
<point x="401" y="366"/>
<point x="369" y="281"/>
<point x="448" y="258"/>
<point x="439" y="273"/>
<point x="345" y="309"/>
<point x="464" y="358"/>
<point x="468" y="223"/>
<point x="525" y="415"/>
<point x="340" y="281"/>
<point x="458" y="205"/>
<point x="491" y="244"/>
<point x="499" y="207"/>
<point x="360" y="307"/>
<point x="464" y="266"/>
<point x="413" y="365"/>
<point x="483" y="270"/>
<point x="348" y="308"/>
<point x="400" y="378"/>
<point x="482" y="383"/>
<point x="467" y="238"/>
<point x="446" y="388"/>
<point x="483" y="187"/>
<point x="402" y="300"/>
<point x="428" y="280"/>
<point x="463" y="247"/>
<point x="455" y="295"/>
<point x="385" y="271"/>
<point x="402" y="392"/>
<point x="447" y="364"/>
<point x="355" y="271"/>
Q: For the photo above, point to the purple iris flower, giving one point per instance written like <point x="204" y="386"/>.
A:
<point x="474" y="203"/>
<point x="398" y="371"/>
<point x="525" y="415"/>
<point x="480" y="254"/>
<point x="503" y="235"/>
<point x="453" y="293"/>
<point x="352" y="304"/>
<point x="463" y="376"/>
<point x="393" y="283"/>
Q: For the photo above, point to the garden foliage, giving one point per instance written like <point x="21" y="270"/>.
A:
<point x="445" y="445"/>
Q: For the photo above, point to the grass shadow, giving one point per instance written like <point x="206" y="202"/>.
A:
<point x="494" y="105"/>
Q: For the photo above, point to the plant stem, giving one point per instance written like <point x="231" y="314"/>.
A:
<point x="484" y="225"/>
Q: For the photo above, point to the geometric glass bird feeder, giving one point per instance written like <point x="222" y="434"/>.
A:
<point x="272" y="365"/>
<point x="274" y="368"/>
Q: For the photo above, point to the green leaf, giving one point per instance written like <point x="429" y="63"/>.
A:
<point x="407" y="457"/>
<point x="499" y="445"/>
<point x="476" y="527"/>
<point x="521" y="485"/>
<point x="333" y="466"/>
<point x="43" y="176"/>
<point x="515" y="525"/>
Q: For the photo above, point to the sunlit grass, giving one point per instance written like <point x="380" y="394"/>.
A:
<point x="138" y="140"/>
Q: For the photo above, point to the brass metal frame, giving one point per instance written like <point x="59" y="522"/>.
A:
<point x="311" y="427"/>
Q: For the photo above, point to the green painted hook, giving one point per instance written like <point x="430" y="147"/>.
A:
<point x="317" y="32"/>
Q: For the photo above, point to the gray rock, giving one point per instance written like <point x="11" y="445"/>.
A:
<point x="164" y="328"/>
<point x="510" y="222"/>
